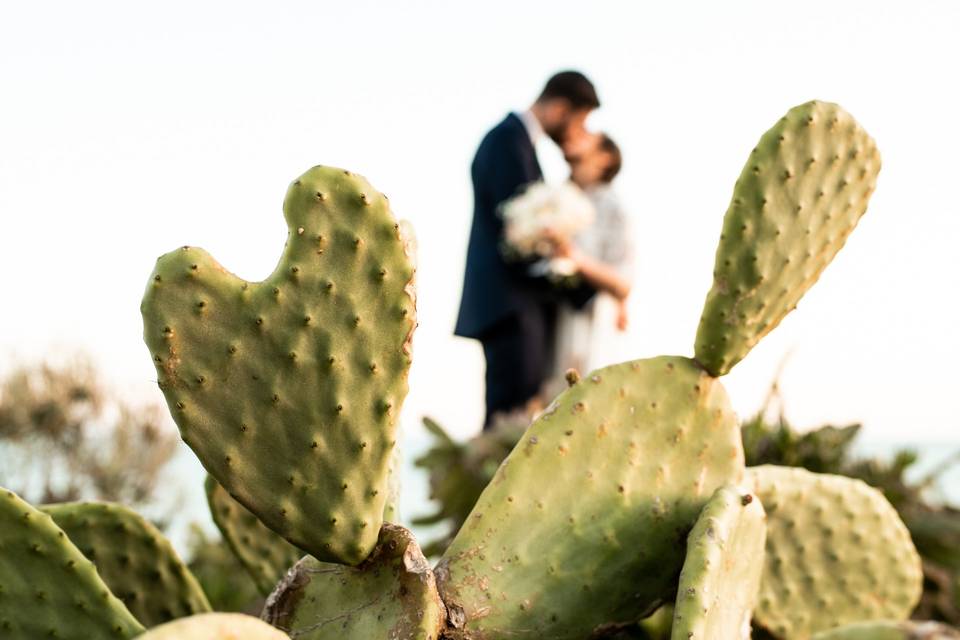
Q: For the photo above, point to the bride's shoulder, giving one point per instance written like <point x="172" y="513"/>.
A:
<point x="606" y="199"/>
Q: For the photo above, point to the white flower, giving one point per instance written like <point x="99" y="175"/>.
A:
<point x="564" y="209"/>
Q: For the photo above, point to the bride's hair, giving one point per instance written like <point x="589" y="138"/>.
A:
<point x="608" y="146"/>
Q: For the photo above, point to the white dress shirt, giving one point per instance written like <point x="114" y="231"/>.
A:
<point x="532" y="125"/>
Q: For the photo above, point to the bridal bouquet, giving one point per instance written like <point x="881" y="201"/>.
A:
<point x="529" y="219"/>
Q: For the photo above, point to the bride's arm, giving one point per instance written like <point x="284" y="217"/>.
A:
<point x="600" y="275"/>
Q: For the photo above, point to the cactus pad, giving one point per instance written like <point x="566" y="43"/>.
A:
<point x="391" y="595"/>
<point x="264" y="554"/>
<point x="584" y="523"/>
<point x="721" y="575"/>
<point x="135" y="560"/>
<point x="884" y="630"/>
<point x="837" y="553"/>
<point x="215" y="626"/>
<point x="799" y="196"/>
<point x="48" y="589"/>
<point x="288" y="390"/>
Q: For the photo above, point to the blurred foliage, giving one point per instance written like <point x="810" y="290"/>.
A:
<point x="64" y="435"/>
<point x="225" y="581"/>
<point x="460" y="471"/>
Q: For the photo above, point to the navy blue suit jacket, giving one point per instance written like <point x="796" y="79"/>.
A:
<point x="493" y="288"/>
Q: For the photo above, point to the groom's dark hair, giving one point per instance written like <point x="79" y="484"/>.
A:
<point x="572" y="86"/>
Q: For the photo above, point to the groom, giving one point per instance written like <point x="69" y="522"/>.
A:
<point x="512" y="313"/>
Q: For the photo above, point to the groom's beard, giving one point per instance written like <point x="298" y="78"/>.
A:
<point x="558" y="137"/>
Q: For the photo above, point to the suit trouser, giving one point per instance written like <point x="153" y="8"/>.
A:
<point x="519" y="351"/>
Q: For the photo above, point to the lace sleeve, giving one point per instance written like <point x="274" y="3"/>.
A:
<point x="613" y="227"/>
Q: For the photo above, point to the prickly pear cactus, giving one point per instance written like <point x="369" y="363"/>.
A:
<point x="799" y="196"/>
<point x="215" y="626"/>
<point x="264" y="554"/>
<point x="721" y="574"/>
<point x="288" y="390"/>
<point x="48" y="589"/>
<point x="837" y="553"/>
<point x="584" y="523"/>
<point x="136" y="561"/>
<point x="392" y="594"/>
<point x="890" y="630"/>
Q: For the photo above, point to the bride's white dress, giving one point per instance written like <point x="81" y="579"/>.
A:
<point x="584" y="335"/>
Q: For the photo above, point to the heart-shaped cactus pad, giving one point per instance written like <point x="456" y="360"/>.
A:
<point x="289" y="389"/>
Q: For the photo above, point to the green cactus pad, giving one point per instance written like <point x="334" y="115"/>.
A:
<point x="289" y="389"/>
<point x="215" y="626"/>
<point x="135" y="560"/>
<point x="721" y="574"/>
<point x="837" y="553"/>
<point x="391" y="508"/>
<point x="48" y="589"/>
<point x="264" y="554"/>
<point x="584" y="523"/>
<point x="799" y="196"/>
<point x="888" y="630"/>
<point x="391" y="595"/>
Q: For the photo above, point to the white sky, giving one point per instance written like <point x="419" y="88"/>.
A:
<point x="126" y="131"/>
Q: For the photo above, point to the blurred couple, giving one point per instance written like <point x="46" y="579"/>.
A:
<point x="543" y="260"/>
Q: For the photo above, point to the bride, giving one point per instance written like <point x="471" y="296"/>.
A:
<point x="600" y="254"/>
